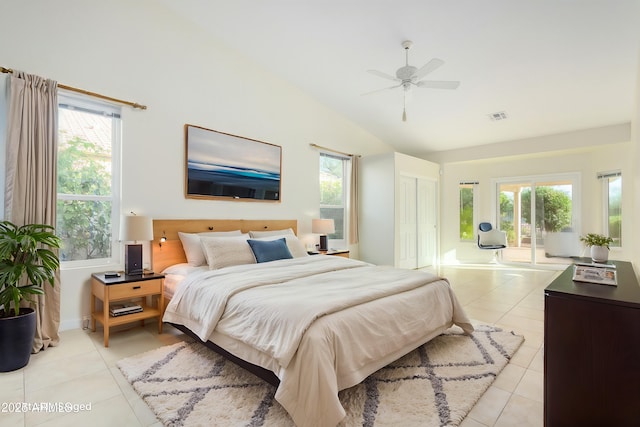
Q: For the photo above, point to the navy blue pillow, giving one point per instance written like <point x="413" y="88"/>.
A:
<point x="270" y="250"/>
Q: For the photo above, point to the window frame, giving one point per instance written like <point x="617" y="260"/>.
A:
<point x="474" y="199"/>
<point x="346" y="181"/>
<point x="605" y="178"/>
<point x="95" y="105"/>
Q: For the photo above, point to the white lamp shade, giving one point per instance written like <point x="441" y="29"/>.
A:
<point x="322" y="226"/>
<point x="136" y="227"/>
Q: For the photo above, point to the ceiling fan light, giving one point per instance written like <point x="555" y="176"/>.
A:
<point x="409" y="75"/>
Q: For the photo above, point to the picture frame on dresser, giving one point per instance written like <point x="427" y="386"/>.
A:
<point x="223" y="166"/>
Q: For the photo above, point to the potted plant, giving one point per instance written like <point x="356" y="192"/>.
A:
<point x="27" y="261"/>
<point x="599" y="246"/>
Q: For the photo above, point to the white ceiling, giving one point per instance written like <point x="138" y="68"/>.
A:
<point x="552" y="65"/>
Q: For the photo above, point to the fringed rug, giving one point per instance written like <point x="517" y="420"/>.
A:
<point x="186" y="384"/>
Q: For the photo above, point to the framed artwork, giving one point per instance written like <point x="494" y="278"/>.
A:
<point x="224" y="166"/>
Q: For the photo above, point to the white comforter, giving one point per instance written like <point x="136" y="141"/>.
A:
<point x="327" y="321"/>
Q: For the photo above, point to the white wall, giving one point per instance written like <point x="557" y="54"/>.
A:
<point x="586" y="162"/>
<point x="379" y="207"/>
<point x="576" y="140"/>
<point x="138" y="51"/>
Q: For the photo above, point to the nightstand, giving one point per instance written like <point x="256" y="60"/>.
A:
<point x="334" y="252"/>
<point x="126" y="288"/>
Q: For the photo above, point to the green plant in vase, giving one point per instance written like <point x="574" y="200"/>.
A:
<point x="27" y="262"/>
<point x="599" y="244"/>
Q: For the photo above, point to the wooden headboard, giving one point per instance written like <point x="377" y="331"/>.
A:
<point x="171" y="251"/>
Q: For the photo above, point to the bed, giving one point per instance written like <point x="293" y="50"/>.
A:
<point x="310" y="325"/>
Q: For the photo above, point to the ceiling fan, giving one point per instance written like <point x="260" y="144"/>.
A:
<point x="409" y="76"/>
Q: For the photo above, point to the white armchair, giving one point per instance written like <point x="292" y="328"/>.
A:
<point x="490" y="238"/>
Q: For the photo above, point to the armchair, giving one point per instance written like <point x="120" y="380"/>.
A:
<point x="490" y="238"/>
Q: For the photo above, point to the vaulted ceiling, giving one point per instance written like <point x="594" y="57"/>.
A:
<point x="550" y="66"/>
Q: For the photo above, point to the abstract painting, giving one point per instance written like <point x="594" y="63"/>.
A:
<point x="224" y="166"/>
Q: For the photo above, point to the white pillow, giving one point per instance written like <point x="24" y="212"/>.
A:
<point x="227" y="251"/>
<point x="258" y="234"/>
<point x="182" y="269"/>
<point x="295" y="246"/>
<point x="193" y="248"/>
<point x="206" y="255"/>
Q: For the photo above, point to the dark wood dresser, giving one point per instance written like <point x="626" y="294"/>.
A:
<point x="592" y="351"/>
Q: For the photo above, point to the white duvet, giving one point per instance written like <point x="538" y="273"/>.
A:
<point x="327" y="322"/>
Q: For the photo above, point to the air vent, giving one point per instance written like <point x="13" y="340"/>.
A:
<point x="500" y="115"/>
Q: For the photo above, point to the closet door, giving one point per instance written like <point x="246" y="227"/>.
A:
<point x="427" y="221"/>
<point x="407" y="256"/>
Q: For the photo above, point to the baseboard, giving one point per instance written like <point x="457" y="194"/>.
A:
<point x="67" y="325"/>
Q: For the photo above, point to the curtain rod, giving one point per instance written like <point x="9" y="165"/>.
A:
<point x="86" y="92"/>
<point x="320" y="147"/>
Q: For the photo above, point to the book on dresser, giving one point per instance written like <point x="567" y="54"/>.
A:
<point x="604" y="274"/>
<point x="122" y="309"/>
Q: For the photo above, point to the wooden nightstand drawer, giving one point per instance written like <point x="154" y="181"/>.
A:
<point x="135" y="289"/>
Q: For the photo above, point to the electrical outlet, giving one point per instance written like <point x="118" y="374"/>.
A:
<point x="85" y="322"/>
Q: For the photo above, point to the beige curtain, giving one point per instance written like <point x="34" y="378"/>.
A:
<point x="31" y="177"/>
<point x="353" y="201"/>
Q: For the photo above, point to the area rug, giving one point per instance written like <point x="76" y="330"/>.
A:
<point x="186" y="384"/>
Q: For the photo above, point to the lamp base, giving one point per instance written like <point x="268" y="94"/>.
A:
<point x="133" y="259"/>
<point x="323" y="243"/>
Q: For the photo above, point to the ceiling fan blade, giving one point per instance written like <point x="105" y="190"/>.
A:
<point x="430" y="66"/>
<point x="383" y="75"/>
<point x="381" y="90"/>
<point x="438" y="84"/>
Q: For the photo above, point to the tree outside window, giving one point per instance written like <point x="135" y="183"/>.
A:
<point x="85" y="206"/>
<point x="467" y="221"/>
<point x="333" y="189"/>
<point x="612" y="203"/>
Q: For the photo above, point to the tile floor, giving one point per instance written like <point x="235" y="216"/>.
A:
<point x="512" y="299"/>
<point x="82" y="371"/>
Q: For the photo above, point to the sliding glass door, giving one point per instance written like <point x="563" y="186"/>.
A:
<point x="539" y="215"/>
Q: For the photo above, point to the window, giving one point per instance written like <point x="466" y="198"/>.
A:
<point x="467" y="211"/>
<point x="333" y="195"/>
<point x="612" y="203"/>
<point x="88" y="170"/>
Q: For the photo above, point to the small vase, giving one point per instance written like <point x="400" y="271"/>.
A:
<point x="599" y="253"/>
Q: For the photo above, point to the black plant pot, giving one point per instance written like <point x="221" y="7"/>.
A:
<point x="16" y="339"/>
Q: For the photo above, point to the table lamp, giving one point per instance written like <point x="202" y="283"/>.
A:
<point x="135" y="228"/>
<point x="323" y="227"/>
